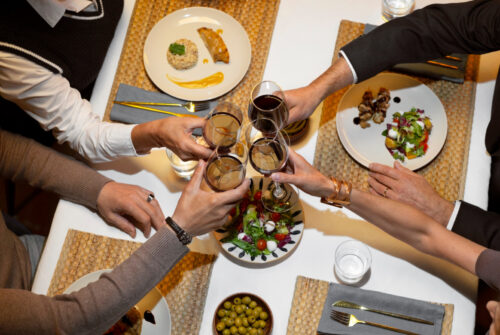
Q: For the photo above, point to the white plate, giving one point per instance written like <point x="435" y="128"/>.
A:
<point x="241" y="257"/>
<point x="153" y="301"/>
<point x="368" y="145"/>
<point x="184" y="24"/>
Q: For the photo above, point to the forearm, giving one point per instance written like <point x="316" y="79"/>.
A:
<point x="50" y="100"/>
<point x="415" y="228"/>
<point x="146" y="136"/>
<point x="24" y="159"/>
<point x="337" y="76"/>
<point x="96" y="307"/>
<point x="470" y="27"/>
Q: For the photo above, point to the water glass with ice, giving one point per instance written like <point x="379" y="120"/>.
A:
<point x="352" y="261"/>
<point x="392" y="9"/>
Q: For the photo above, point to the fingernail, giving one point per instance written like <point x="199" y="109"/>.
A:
<point x="275" y="177"/>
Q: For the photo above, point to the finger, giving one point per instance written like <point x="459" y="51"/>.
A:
<point x="123" y="224"/>
<point x="379" y="188"/>
<point x="196" y="150"/>
<point x="154" y="213"/>
<point x="231" y="196"/>
<point x="197" y="177"/>
<point x="384" y="169"/>
<point x="138" y="215"/>
<point x="158" y="216"/>
<point x="383" y="179"/>
<point x="284" y="178"/>
<point x="194" y="122"/>
<point x="372" y="191"/>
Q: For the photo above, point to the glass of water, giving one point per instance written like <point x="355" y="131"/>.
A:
<point x="183" y="169"/>
<point x="352" y="260"/>
<point x="392" y="9"/>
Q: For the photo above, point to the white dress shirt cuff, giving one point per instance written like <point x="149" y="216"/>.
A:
<point x="454" y="214"/>
<point x="354" y="75"/>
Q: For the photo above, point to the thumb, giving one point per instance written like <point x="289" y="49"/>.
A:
<point x="198" y="175"/>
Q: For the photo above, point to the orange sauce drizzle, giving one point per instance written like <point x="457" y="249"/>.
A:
<point x="211" y="80"/>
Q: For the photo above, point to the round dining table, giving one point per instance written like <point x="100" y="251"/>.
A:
<point x="301" y="48"/>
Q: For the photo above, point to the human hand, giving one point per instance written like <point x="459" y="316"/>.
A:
<point x="494" y="309"/>
<point x="301" y="103"/>
<point x="402" y="184"/>
<point x="305" y="176"/>
<point x="199" y="211"/>
<point x="173" y="133"/>
<point x="126" y="207"/>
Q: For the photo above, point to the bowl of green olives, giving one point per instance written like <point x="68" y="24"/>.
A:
<point x="243" y="314"/>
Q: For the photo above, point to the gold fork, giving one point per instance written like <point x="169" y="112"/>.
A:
<point x="350" y="320"/>
<point x="189" y="106"/>
<point x="128" y="104"/>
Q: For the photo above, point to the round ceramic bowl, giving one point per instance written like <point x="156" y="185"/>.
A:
<point x="248" y="311"/>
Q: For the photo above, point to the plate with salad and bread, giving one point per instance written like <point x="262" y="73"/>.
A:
<point x="392" y="117"/>
<point x="257" y="236"/>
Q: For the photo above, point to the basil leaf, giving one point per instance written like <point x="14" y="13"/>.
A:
<point x="177" y="49"/>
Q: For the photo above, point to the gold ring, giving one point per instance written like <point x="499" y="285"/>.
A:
<point x="385" y="191"/>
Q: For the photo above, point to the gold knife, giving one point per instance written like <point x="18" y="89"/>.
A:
<point x="128" y="104"/>
<point x="346" y="304"/>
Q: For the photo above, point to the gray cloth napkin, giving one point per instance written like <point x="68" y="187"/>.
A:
<point x="381" y="301"/>
<point x="132" y="115"/>
<point x="429" y="70"/>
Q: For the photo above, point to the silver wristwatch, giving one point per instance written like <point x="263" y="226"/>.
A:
<point x="182" y="235"/>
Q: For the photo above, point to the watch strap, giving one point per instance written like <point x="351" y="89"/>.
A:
<point x="182" y="235"/>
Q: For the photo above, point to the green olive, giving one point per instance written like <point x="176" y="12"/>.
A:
<point x="238" y="322"/>
<point x="238" y="309"/>
<point x="260" y="332"/>
<point x="259" y="309"/>
<point x="252" y="331"/>
<point x="256" y="313"/>
<point x="221" y="313"/>
<point x="233" y="315"/>
<point x="234" y="330"/>
<point x="251" y="319"/>
<point x="220" y="326"/>
<point x="226" y="332"/>
<point x="227" y="304"/>
<point x="229" y="322"/>
<point x="245" y="322"/>
<point x="263" y="316"/>
<point x="236" y="301"/>
<point x="242" y="330"/>
<point x="249" y="312"/>
<point x="263" y="324"/>
<point x="246" y="300"/>
<point x="252" y="304"/>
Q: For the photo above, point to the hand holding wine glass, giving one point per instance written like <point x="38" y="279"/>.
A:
<point x="226" y="167"/>
<point x="267" y="102"/>
<point x="223" y="125"/>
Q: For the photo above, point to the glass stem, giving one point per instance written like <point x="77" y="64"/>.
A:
<point x="278" y="192"/>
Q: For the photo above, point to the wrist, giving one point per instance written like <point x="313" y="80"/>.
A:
<point x="183" y="236"/>
<point x="146" y="136"/>
<point x="442" y="211"/>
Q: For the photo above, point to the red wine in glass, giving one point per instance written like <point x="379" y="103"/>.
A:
<point x="266" y="107"/>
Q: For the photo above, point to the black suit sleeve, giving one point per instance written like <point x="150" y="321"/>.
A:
<point x="434" y="31"/>
<point x="478" y="225"/>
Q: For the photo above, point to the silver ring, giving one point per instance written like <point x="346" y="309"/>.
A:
<point x="150" y="197"/>
<point x="385" y="191"/>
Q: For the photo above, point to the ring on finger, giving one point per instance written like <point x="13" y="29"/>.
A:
<point x="151" y="197"/>
<point x="385" y="191"/>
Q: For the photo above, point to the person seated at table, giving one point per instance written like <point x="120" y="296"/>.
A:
<point x="95" y="308"/>
<point x="469" y="27"/>
<point x="50" y="55"/>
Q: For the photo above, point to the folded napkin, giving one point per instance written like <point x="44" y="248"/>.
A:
<point x="380" y="301"/>
<point x="127" y="114"/>
<point x="429" y="70"/>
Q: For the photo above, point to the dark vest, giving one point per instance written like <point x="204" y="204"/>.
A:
<point x="75" y="47"/>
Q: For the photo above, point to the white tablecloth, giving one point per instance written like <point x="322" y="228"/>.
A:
<point x="301" y="49"/>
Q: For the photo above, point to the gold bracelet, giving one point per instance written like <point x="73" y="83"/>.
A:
<point x="341" y="195"/>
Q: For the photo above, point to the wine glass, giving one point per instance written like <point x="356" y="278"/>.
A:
<point x="269" y="153"/>
<point x="226" y="167"/>
<point x="223" y="125"/>
<point x="267" y="101"/>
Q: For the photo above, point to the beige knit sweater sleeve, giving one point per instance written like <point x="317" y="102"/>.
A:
<point x="24" y="159"/>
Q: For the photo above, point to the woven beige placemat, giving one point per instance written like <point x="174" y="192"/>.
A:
<point x="256" y="16"/>
<point x="450" y="165"/>
<point x="309" y="299"/>
<point x="185" y="287"/>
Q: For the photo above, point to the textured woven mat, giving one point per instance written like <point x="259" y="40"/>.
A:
<point x="185" y="287"/>
<point x="256" y="16"/>
<point x="309" y="299"/>
<point x="450" y="165"/>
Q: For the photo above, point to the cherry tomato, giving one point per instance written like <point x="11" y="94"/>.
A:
<point x="426" y="136"/>
<point x="244" y="204"/>
<point x="280" y="237"/>
<point x="257" y="195"/>
<point x="261" y="244"/>
<point x="275" y="217"/>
